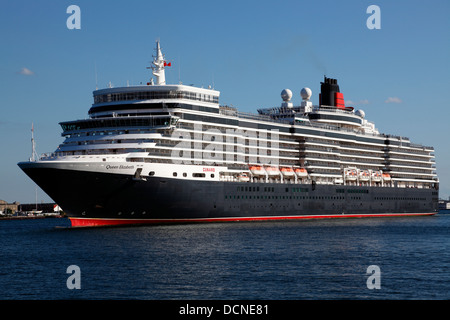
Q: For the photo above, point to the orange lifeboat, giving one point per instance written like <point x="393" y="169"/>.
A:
<point x="287" y="171"/>
<point x="386" y="177"/>
<point x="272" y="171"/>
<point x="301" y="172"/>
<point x="257" y="170"/>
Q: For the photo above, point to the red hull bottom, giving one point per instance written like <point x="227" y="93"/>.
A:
<point x="103" y="222"/>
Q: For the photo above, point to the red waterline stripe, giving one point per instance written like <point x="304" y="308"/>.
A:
<point x="99" y="222"/>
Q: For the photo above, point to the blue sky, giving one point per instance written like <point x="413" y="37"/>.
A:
<point x="249" y="50"/>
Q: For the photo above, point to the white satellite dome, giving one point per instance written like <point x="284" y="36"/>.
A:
<point x="360" y="113"/>
<point x="286" y="95"/>
<point x="306" y="93"/>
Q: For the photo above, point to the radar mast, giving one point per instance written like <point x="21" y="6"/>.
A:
<point x="159" y="65"/>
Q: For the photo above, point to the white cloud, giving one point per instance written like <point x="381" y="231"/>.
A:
<point x="364" y="101"/>
<point x="26" y="72"/>
<point x="352" y="103"/>
<point x="393" y="100"/>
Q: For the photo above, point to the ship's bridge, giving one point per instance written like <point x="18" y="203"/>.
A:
<point x="140" y="98"/>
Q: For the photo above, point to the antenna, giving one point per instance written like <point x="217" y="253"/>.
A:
<point x="96" y="80"/>
<point x="34" y="155"/>
<point x="179" y="69"/>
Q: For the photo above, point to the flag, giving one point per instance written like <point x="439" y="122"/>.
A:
<point x="167" y="64"/>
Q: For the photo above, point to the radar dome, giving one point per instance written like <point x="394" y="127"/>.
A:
<point x="306" y="93"/>
<point x="360" y="113"/>
<point x="286" y="95"/>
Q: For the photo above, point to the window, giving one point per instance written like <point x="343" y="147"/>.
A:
<point x="198" y="175"/>
<point x="174" y="174"/>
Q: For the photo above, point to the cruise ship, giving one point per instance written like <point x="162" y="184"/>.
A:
<point x="171" y="153"/>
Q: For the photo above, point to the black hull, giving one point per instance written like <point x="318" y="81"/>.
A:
<point x="92" y="198"/>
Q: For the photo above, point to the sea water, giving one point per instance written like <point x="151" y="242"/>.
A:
<point x="282" y="260"/>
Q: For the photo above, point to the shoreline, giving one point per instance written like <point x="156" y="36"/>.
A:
<point x="30" y="217"/>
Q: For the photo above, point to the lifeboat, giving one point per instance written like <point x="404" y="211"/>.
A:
<point x="272" y="171"/>
<point x="243" y="177"/>
<point x="386" y="177"/>
<point x="257" y="170"/>
<point x="287" y="171"/>
<point x="376" y="176"/>
<point x="351" y="175"/>
<point x="301" y="172"/>
<point x="364" y="175"/>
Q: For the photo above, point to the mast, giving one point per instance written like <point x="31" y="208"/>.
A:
<point x="159" y="65"/>
<point x="34" y="155"/>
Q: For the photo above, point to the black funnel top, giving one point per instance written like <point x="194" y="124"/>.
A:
<point x="328" y="88"/>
